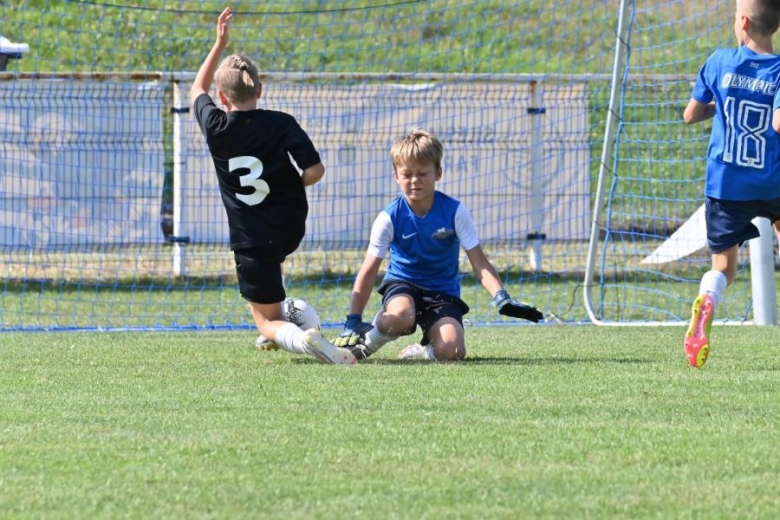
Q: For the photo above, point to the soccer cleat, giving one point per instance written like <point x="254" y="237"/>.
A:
<point x="697" y="344"/>
<point x="262" y="343"/>
<point x="415" y="351"/>
<point x="325" y="351"/>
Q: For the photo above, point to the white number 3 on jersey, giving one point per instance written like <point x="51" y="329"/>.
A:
<point x="250" y="179"/>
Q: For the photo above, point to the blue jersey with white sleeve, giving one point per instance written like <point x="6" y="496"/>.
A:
<point x="424" y="251"/>
<point x="743" y="160"/>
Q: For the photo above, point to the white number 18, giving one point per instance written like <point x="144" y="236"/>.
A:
<point x="747" y="132"/>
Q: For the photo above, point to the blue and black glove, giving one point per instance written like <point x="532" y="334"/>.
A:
<point x="507" y="306"/>
<point x="355" y="330"/>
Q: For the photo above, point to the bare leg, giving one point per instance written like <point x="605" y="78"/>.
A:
<point x="726" y="263"/>
<point x="396" y="319"/>
<point x="268" y="318"/>
<point x="448" y="340"/>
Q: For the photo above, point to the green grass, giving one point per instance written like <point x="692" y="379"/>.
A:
<point x="440" y="35"/>
<point x="538" y="421"/>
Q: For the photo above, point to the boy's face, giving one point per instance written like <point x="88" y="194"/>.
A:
<point x="417" y="180"/>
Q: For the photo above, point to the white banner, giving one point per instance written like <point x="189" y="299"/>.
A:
<point x="81" y="163"/>
<point x="486" y="131"/>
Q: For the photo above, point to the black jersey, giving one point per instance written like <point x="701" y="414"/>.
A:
<point x="262" y="191"/>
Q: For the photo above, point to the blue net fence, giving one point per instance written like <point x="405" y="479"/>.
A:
<point x="104" y="172"/>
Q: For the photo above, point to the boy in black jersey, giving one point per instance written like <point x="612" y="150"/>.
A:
<point x="262" y="191"/>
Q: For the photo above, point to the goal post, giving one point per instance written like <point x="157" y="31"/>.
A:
<point x="611" y="130"/>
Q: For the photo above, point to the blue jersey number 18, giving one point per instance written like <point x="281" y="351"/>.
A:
<point x="740" y="132"/>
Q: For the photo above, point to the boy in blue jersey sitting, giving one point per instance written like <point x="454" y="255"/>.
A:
<point x="424" y="230"/>
<point x="737" y="87"/>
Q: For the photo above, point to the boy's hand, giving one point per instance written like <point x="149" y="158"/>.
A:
<point x="355" y="330"/>
<point x="507" y="306"/>
<point x="222" y="27"/>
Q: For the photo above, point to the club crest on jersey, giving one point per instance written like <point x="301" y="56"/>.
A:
<point x="443" y="233"/>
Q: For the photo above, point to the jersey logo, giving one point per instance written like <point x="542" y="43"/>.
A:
<point x="405" y="236"/>
<point x="443" y="233"/>
<point x="732" y="80"/>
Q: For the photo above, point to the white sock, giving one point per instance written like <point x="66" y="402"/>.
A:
<point x="376" y="340"/>
<point x="290" y="338"/>
<point x="429" y="353"/>
<point x="713" y="282"/>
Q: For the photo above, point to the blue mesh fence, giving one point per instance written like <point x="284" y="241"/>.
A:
<point x="517" y="91"/>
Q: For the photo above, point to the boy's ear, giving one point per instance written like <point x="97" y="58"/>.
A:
<point x="744" y="22"/>
<point x="259" y="90"/>
<point x="439" y="171"/>
<point x="222" y="99"/>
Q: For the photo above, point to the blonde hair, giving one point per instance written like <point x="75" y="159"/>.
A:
<point x="418" y="145"/>
<point x="237" y="78"/>
<point x="763" y="14"/>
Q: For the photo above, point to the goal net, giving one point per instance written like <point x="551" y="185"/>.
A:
<point x="109" y="213"/>
<point x="649" y="249"/>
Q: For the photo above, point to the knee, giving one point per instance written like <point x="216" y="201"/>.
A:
<point x="396" y="324"/>
<point x="449" y="350"/>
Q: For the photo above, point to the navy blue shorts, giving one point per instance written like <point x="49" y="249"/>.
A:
<point x="429" y="306"/>
<point x="259" y="271"/>
<point x="728" y="221"/>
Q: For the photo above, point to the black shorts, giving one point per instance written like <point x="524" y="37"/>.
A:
<point x="259" y="271"/>
<point x="429" y="306"/>
<point x="728" y="221"/>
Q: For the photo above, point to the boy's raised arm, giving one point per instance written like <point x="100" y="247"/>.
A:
<point x="205" y="75"/>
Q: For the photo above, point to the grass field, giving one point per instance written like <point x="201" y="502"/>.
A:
<point x="539" y="421"/>
<point x="569" y="421"/>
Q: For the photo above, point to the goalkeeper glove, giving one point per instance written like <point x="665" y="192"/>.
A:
<point x="508" y="306"/>
<point x="355" y="330"/>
